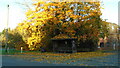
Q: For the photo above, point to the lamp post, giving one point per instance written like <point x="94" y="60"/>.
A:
<point x="6" y="46"/>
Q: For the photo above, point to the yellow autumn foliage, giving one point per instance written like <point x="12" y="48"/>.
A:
<point x="57" y="20"/>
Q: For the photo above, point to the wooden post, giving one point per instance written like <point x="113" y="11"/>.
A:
<point x="54" y="44"/>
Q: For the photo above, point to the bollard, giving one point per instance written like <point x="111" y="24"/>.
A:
<point x="114" y="46"/>
<point x="21" y="49"/>
<point x="8" y="49"/>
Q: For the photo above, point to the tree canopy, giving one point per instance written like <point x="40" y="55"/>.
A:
<point x="12" y="38"/>
<point x="79" y="20"/>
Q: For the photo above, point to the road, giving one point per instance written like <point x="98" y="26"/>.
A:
<point x="10" y="61"/>
<point x="111" y="60"/>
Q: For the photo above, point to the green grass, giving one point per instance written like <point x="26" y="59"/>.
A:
<point x="10" y="52"/>
<point x="13" y="52"/>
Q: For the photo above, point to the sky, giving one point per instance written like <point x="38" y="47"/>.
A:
<point x="17" y="12"/>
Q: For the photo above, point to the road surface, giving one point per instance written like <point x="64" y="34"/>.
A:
<point x="11" y="61"/>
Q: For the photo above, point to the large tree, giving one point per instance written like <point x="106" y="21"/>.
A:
<point x="75" y="19"/>
<point x="12" y="39"/>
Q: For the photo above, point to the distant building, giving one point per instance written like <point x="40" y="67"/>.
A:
<point x="113" y="39"/>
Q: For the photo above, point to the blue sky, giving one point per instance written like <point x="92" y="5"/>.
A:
<point x="17" y="12"/>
